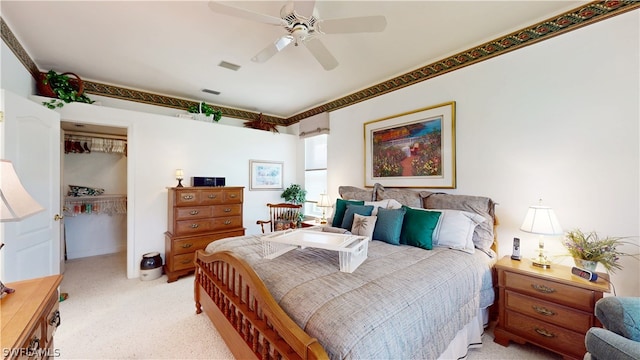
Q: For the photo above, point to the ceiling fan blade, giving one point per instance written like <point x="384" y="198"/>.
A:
<point x="353" y="25"/>
<point x="273" y="49"/>
<point x="321" y="53"/>
<point x="304" y="8"/>
<point x="225" y="9"/>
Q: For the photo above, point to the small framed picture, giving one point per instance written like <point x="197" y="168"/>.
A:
<point x="266" y="175"/>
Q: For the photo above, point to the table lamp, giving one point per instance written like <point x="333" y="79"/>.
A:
<point x="16" y="203"/>
<point x="323" y="203"/>
<point x="541" y="220"/>
<point x="179" y="177"/>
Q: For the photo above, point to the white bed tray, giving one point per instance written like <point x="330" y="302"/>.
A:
<point x="352" y="249"/>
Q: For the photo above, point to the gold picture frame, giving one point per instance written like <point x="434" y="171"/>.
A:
<point x="415" y="149"/>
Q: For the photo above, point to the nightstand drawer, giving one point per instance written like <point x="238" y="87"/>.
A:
<point x="545" y="334"/>
<point x="546" y="311"/>
<point x="550" y="290"/>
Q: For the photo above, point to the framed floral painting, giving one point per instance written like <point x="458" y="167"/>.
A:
<point x="415" y="149"/>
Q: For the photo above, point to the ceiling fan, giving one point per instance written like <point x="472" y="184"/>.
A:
<point x="303" y="26"/>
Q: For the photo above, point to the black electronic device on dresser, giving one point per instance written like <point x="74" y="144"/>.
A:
<point x="208" y="181"/>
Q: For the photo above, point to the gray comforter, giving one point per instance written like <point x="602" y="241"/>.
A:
<point x="402" y="302"/>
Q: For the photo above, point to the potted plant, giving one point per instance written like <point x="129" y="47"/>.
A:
<point x="63" y="88"/>
<point x="206" y="110"/>
<point x="588" y="249"/>
<point x="294" y="194"/>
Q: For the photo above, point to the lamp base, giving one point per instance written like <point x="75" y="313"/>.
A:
<point x="179" y="183"/>
<point x="5" y="290"/>
<point x="541" y="262"/>
<point x="323" y="221"/>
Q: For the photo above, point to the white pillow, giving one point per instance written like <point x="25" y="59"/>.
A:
<point x="455" y="229"/>
<point x="377" y="204"/>
<point x="363" y="225"/>
<point x="394" y="204"/>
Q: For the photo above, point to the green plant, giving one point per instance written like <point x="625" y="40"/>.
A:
<point x="208" y="110"/>
<point x="64" y="89"/>
<point x="589" y="246"/>
<point x="294" y="194"/>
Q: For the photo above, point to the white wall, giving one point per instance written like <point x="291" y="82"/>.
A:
<point x="157" y="145"/>
<point x="558" y="120"/>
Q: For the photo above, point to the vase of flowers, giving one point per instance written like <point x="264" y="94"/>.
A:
<point x="589" y="249"/>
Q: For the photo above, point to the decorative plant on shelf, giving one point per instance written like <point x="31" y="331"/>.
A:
<point x="294" y="194"/>
<point x="64" y="88"/>
<point x="590" y="247"/>
<point x="260" y="124"/>
<point x="207" y="110"/>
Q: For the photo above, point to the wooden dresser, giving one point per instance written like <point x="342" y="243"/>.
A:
<point x="30" y="317"/>
<point x="550" y="308"/>
<point x="198" y="216"/>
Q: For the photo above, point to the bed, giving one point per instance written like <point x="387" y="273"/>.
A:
<point x="404" y="301"/>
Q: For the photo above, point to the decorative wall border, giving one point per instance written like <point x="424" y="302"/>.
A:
<point x="560" y="24"/>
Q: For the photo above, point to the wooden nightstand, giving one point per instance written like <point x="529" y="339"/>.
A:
<point x="310" y="223"/>
<point x="550" y="308"/>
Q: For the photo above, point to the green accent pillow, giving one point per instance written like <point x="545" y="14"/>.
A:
<point x="341" y="207"/>
<point x="418" y="226"/>
<point x="347" y="220"/>
<point x="389" y="225"/>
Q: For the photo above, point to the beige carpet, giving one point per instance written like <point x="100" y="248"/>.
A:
<point x="108" y="316"/>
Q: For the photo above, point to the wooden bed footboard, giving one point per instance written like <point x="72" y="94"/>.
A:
<point x="249" y="320"/>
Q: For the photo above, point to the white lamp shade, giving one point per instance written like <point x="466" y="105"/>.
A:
<point x="179" y="174"/>
<point x="324" y="201"/>
<point x="541" y="220"/>
<point x="17" y="204"/>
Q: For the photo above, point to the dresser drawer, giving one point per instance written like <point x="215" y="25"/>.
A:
<point x="183" y="261"/>
<point x="212" y="196"/>
<point x="193" y="212"/>
<point x="52" y="319"/>
<point x="187" y="197"/>
<point x="546" y="334"/>
<point x="546" y="311"/>
<point x="188" y="227"/>
<point x="233" y="196"/>
<point x="228" y="222"/>
<point x="550" y="290"/>
<point x="226" y="210"/>
<point x="191" y="244"/>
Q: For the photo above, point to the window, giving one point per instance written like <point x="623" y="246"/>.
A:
<point x="315" y="172"/>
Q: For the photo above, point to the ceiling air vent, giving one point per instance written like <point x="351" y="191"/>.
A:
<point x="211" y="91"/>
<point x="228" y="65"/>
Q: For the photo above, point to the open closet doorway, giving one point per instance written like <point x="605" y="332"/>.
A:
<point x="94" y="190"/>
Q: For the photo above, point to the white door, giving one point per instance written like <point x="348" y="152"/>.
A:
<point x="31" y="140"/>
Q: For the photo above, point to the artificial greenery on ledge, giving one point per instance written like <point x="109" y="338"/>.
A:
<point x="208" y="110"/>
<point x="62" y="87"/>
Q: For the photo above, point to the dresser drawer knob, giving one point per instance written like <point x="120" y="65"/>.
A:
<point x="227" y="210"/>
<point x="543" y="289"/>
<point x="212" y="196"/>
<point x="545" y="333"/>
<point x="194" y="226"/>
<point x="194" y="212"/>
<point x="184" y="262"/>
<point x="187" y="197"/>
<point x="186" y="246"/>
<point x="227" y="222"/>
<point x="55" y="319"/>
<point x="543" y="310"/>
<point x="233" y="196"/>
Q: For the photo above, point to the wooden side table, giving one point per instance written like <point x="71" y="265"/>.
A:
<point x="314" y="222"/>
<point x="30" y="317"/>
<point x="550" y="308"/>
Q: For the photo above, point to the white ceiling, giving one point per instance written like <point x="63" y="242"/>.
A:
<point x="173" y="47"/>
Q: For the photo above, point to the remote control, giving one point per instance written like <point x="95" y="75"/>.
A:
<point x="585" y="274"/>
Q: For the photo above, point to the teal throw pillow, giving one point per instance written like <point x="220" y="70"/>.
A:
<point x="418" y="226"/>
<point x="347" y="220"/>
<point x="389" y="225"/>
<point x="341" y="207"/>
